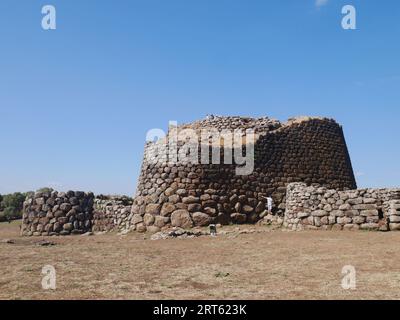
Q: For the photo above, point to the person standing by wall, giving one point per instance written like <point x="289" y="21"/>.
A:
<point x="270" y="203"/>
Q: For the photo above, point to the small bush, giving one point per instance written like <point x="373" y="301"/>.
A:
<point x="10" y="213"/>
<point x="45" y="190"/>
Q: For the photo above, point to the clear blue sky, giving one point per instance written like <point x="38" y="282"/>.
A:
<point x="76" y="102"/>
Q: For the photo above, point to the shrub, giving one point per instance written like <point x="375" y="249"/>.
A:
<point x="10" y="213"/>
<point x="46" y="190"/>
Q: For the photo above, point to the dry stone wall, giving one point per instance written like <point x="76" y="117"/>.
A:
<point x="74" y="212"/>
<point x="111" y="213"/>
<point x="57" y="213"/>
<point x="392" y="210"/>
<point x="310" y="150"/>
<point x="316" y="207"/>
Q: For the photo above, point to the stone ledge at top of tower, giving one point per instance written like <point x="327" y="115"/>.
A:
<point x="301" y="119"/>
<point x="260" y="125"/>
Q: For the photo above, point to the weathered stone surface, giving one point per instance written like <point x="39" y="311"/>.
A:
<point x="210" y="211"/>
<point x="359" y="219"/>
<point x="365" y="207"/>
<point x="190" y="200"/>
<point x="344" y="220"/>
<point x="201" y="219"/>
<point x="247" y="209"/>
<point x="367" y="213"/>
<point x="161" y="221"/>
<point x="65" y="207"/>
<point x="395" y="219"/>
<point x="174" y="198"/>
<point x="238" y="217"/>
<point x="194" y="207"/>
<point x="394" y="226"/>
<point x="140" y="227"/>
<point x="153" y="209"/>
<point x="351" y="213"/>
<point x="148" y="219"/>
<point x="167" y="209"/>
<point x="319" y="213"/>
<point x="355" y="201"/>
<point x="152" y="229"/>
<point x="337" y="227"/>
<point x="337" y="213"/>
<point x="169" y="191"/>
<point x="369" y="226"/>
<point x="260" y="207"/>
<point x="181" y="218"/>
<point x="137" y="218"/>
<point x="68" y="226"/>
<point x="302" y="214"/>
<point x="181" y="192"/>
<point x="345" y="207"/>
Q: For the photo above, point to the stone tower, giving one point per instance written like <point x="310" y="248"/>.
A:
<point x="186" y="193"/>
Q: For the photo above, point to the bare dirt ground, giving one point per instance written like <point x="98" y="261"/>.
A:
<point x="273" y="264"/>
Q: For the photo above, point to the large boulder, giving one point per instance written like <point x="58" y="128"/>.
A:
<point x="167" y="209"/>
<point x="148" y="219"/>
<point x="181" y="218"/>
<point x="201" y="219"/>
<point x="153" y="208"/>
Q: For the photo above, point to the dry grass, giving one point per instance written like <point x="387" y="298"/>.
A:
<point x="267" y="265"/>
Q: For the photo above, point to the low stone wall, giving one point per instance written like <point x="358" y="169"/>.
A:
<point x="311" y="207"/>
<point x="392" y="210"/>
<point x="307" y="207"/>
<point x="57" y="213"/>
<point x="112" y="213"/>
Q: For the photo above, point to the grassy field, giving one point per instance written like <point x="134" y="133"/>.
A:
<point x="269" y="264"/>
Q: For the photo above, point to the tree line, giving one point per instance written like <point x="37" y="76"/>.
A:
<point x="11" y="206"/>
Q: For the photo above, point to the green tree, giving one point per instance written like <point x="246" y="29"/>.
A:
<point x="14" y="200"/>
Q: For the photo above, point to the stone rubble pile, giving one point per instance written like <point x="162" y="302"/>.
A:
<point x="179" y="233"/>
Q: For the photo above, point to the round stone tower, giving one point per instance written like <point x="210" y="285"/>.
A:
<point x="222" y="169"/>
